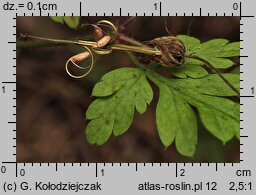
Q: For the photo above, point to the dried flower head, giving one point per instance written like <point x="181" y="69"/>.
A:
<point x="173" y="51"/>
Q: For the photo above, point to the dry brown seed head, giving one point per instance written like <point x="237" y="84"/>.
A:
<point x="173" y="51"/>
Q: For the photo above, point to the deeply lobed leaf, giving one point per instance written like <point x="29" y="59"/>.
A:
<point x="119" y="92"/>
<point x="219" y="115"/>
<point x="214" y="51"/>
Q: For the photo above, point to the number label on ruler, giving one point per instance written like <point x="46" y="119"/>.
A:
<point x="252" y="90"/>
<point x="3" y="88"/>
<point x="235" y="6"/>
<point x="182" y="172"/>
<point x="3" y="169"/>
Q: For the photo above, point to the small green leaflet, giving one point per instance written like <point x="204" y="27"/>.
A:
<point x="175" y="119"/>
<point x="191" y="68"/>
<point x="119" y="92"/>
<point x="215" y="51"/>
<point x="71" y="21"/>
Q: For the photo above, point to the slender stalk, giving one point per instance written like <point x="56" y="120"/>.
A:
<point x="38" y="43"/>
<point x="128" y="21"/>
<point x="132" y="41"/>
<point x="61" y="41"/>
<point x="135" y="61"/>
<point x="121" y="47"/>
<point x="215" y="71"/>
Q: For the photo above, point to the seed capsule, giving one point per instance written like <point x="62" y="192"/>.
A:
<point x="98" y="33"/>
<point x="173" y="51"/>
<point x="102" y="42"/>
<point x="80" y="57"/>
<point x="110" y="26"/>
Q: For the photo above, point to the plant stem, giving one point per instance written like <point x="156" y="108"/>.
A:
<point x="121" y="47"/>
<point x="128" y="21"/>
<point x="38" y="43"/>
<point x="132" y="41"/>
<point x="135" y="61"/>
<point x="208" y="65"/>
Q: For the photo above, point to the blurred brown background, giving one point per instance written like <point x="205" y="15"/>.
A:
<point x="51" y="106"/>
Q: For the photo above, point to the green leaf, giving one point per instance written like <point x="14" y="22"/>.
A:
<point x="190" y="42"/>
<point x="176" y="120"/>
<point x="220" y="116"/>
<point x="71" y="21"/>
<point x="236" y="70"/>
<point x="214" y="51"/>
<point x="120" y="92"/>
<point x="211" y="84"/>
<point x="58" y="19"/>
<point x="191" y="68"/>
